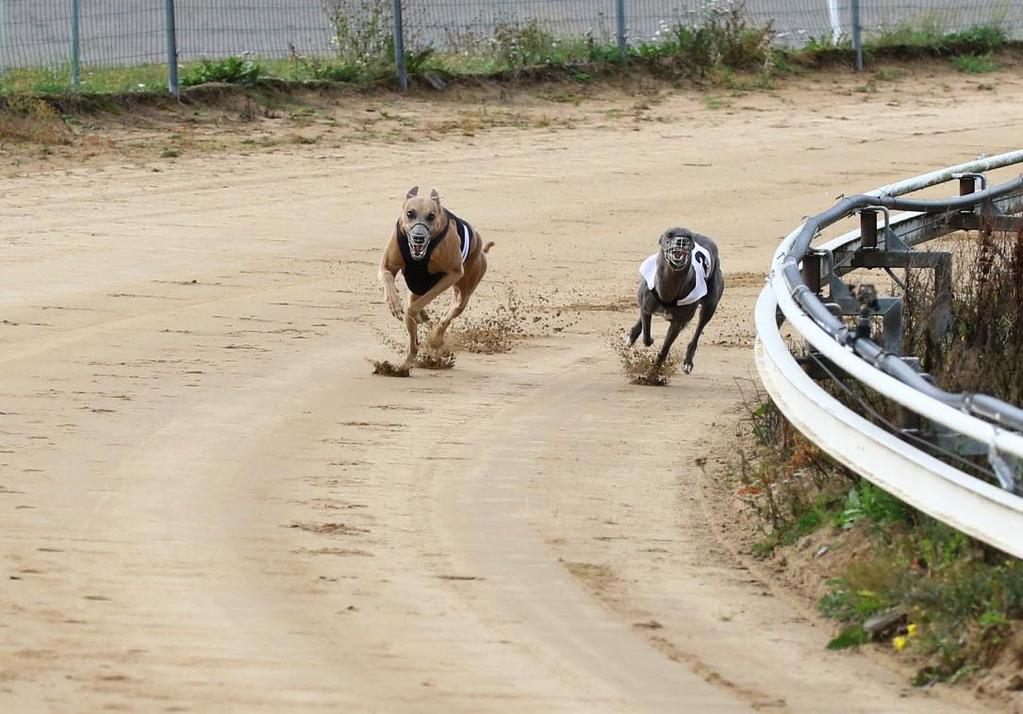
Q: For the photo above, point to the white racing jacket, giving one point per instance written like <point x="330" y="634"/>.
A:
<point x="703" y="264"/>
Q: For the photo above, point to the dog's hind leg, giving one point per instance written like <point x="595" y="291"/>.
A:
<point x="461" y="299"/>
<point x="414" y="309"/>
<point x="462" y="290"/>
<point x="706" y="312"/>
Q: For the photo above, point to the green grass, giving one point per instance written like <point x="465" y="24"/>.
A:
<point x="727" y="47"/>
<point x="974" y="64"/>
<point x="963" y="598"/>
<point x="929" y="37"/>
<point x="94" y="80"/>
<point x="232" y="70"/>
<point x="867" y="501"/>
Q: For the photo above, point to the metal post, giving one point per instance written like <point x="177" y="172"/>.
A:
<point x="836" y="23"/>
<point x="172" y="49"/>
<point x="3" y="37"/>
<point x="76" y="49"/>
<point x="623" y="48"/>
<point x="857" y="34"/>
<point x="868" y="229"/>
<point x="812" y="271"/>
<point x="399" y="48"/>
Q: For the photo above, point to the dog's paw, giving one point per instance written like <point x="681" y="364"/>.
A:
<point x="687" y="368"/>
<point x="647" y="342"/>
<point x="396" y="309"/>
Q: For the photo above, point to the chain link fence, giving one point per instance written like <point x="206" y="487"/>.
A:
<point x="113" y="33"/>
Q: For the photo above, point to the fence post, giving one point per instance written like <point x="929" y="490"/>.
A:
<point x="857" y="34"/>
<point x="623" y="48"/>
<point x="4" y="50"/>
<point x="836" y="22"/>
<point x="399" y="47"/>
<point x="172" y="49"/>
<point x="76" y="48"/>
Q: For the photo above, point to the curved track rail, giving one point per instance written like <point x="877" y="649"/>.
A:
<point x="984" y="511"/>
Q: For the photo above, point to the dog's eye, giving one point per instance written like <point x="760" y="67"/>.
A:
<point x="430" y="216"/>
<point x="410" y="214"/>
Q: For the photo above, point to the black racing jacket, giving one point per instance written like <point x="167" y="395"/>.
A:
<point x="416" y="272"/>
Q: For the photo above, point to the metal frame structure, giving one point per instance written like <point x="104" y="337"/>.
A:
<point x="798" y="272"/>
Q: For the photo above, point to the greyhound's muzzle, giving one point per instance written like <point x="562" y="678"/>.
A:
<point x="418" y="240"/>
<point x="677" y="253"/>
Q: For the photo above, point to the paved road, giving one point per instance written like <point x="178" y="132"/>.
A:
<point x="36" y="32"/>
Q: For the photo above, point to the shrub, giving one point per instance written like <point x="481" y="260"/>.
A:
<point x="231" y="70"/>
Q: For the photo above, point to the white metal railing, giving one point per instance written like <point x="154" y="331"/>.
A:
<point x="934" y="487"/>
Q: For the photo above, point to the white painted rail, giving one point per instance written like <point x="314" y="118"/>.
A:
<point x="966" y="503"/>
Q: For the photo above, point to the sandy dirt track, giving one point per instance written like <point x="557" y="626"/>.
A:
<point x="210" y="504"/>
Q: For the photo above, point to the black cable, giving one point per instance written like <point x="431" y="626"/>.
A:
<point x="880" y="420"/>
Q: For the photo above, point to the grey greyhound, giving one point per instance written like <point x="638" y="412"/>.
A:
<point x="683" y="274"/>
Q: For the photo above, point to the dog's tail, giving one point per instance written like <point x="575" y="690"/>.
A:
<point x="487" y="246"/>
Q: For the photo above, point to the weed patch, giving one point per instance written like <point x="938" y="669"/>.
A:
<point x="231" y="70"/>
<point x="950" y="604"/>
<point x="974" y="64"/>
<point x="30" y="119"/>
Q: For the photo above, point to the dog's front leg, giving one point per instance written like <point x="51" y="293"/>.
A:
<point x="645" y="318"/>
<point x="634" y="333"/>
<point x="706" y="312"/>
<point x="674" y="328"/>
<point x="412" y="327"/>
<point x="386" y="278"/>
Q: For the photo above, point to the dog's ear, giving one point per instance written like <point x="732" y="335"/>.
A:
<point x="435" y="196"/>
<point x="414" y="191"/>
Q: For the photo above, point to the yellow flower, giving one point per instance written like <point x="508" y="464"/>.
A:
<point x="911" y="629"/>
<point x="899" y="643"/>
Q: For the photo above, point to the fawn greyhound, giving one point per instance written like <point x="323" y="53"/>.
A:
<point x="683" y="274"/>
<point x="434" y="250"/>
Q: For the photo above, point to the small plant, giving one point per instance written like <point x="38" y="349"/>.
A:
<point x="725" y="38"/>
<point x="928" y="36"/>
<point x="789" y="485"/>
<point x="740" y="43"/>
<point x="230" y="70"/>
<point x="520" y="46"/>
<point x="331" y="71"/>
<point x="363" y="34"/>
<point x="31" y="119"/>
<point x="867" y="501"/>
<point x="851" y="636"/>
<point x="982" y="39"/>
<point x="974" y="64"/>
<point x="981" y="339"/>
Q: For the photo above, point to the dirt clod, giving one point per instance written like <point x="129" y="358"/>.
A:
<point x="386" y="369"/>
